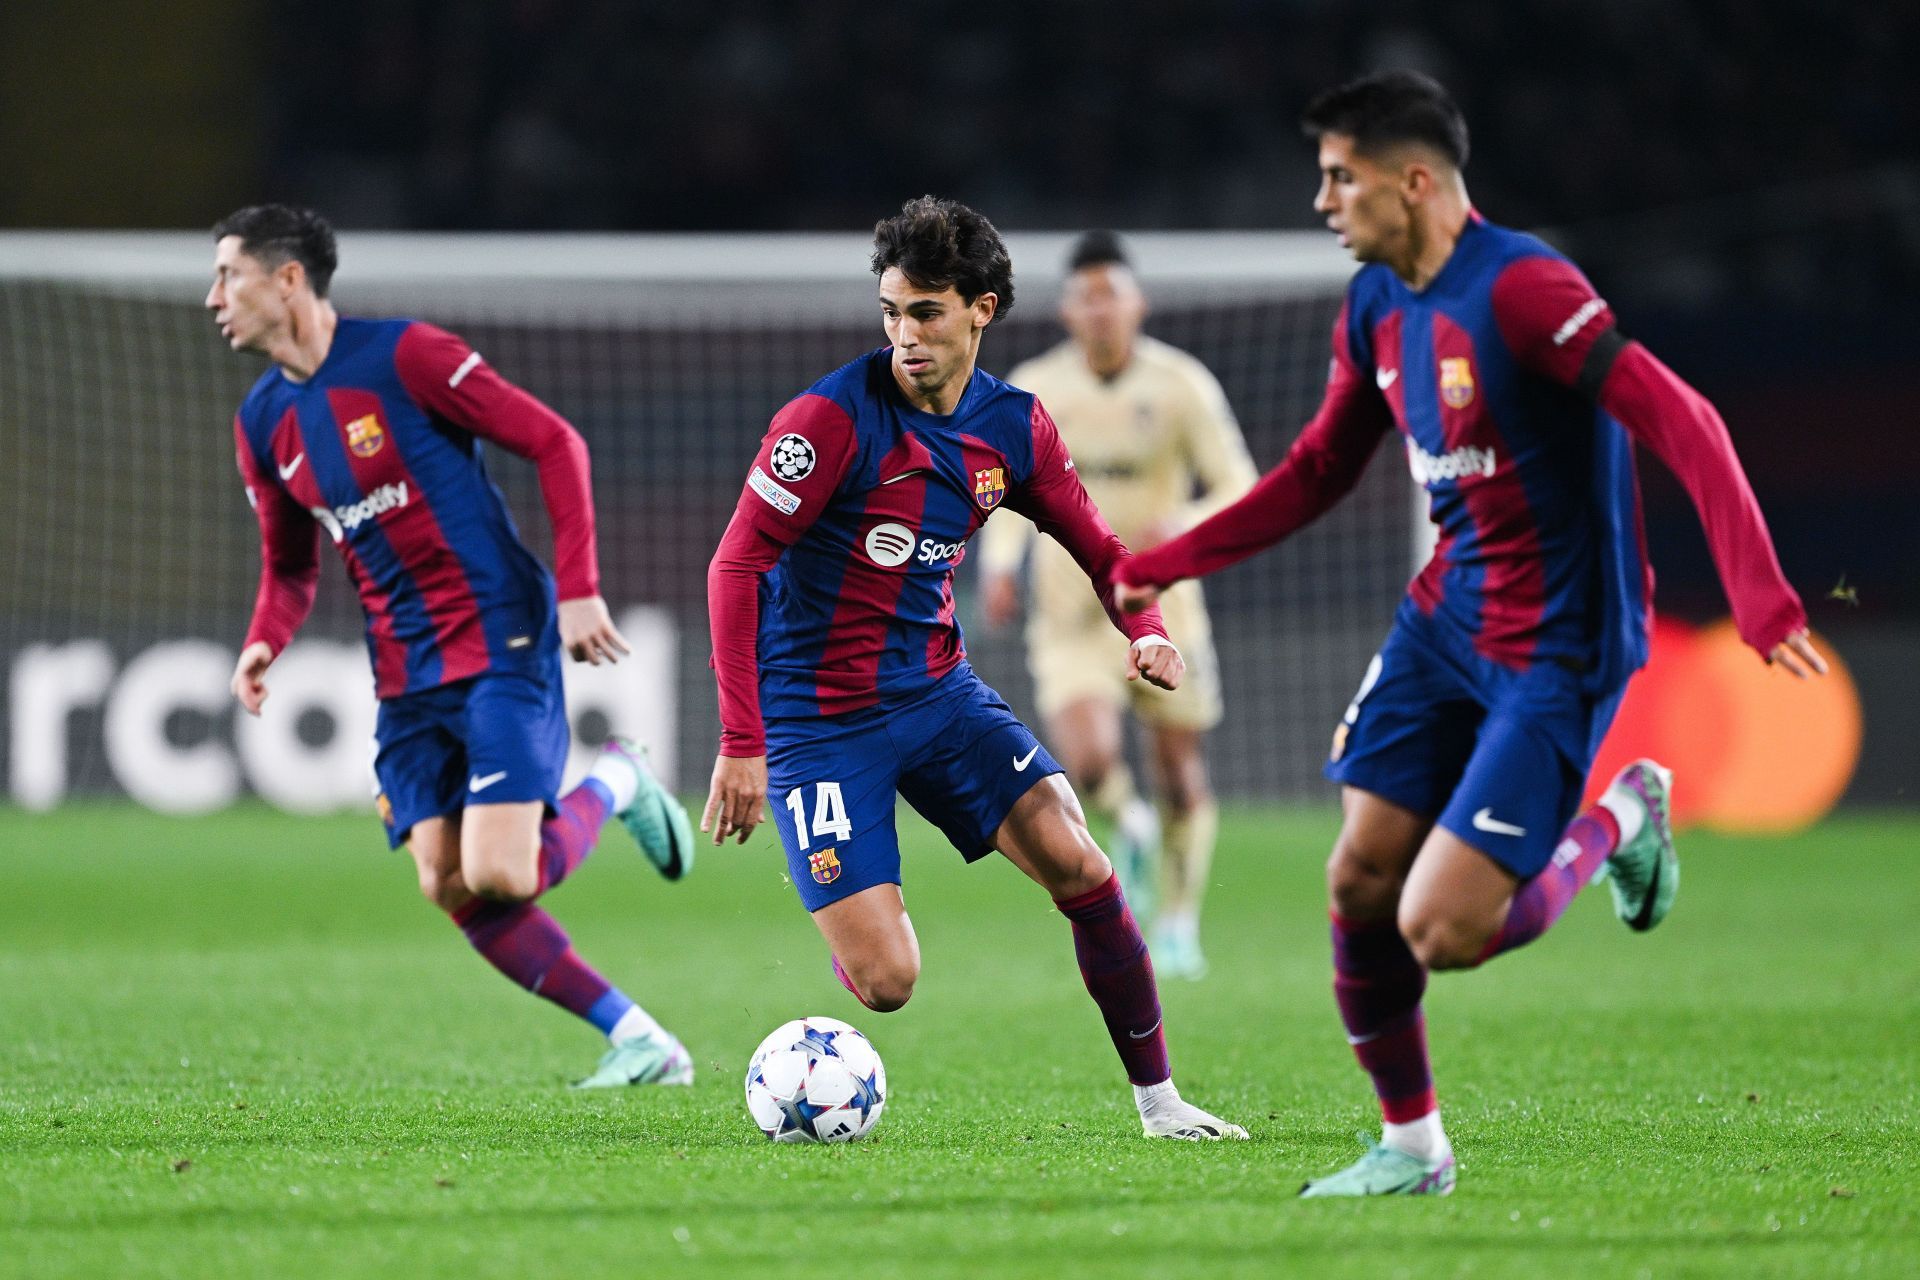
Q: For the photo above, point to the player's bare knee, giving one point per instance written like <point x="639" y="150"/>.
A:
<point x="503" y="883"/>
<point x="1084" y="869"/>
<point x="1439" y="941"/>
<point x="887" y="986"/>
<point x="888" y="997"/>
<point x="1450" y="951"/>
<point x="1095" y="870"/>
<point x="1361" y="887"/>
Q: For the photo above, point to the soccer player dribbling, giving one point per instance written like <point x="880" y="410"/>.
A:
<point x="843" y="680"/>
<point x="1464" y="753"/>
<point x="371" y="430"/>
<point x="1146" y="423"/>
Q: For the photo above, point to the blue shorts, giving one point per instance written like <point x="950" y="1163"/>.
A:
<point x="495" y="738"/>
<point x="1497" y="757"/>
<point x="957" y="753"/>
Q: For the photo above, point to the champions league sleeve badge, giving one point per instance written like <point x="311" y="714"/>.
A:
<point x="792" y="457"/>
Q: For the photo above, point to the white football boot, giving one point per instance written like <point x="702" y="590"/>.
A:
<point x="1164" y="1114"/>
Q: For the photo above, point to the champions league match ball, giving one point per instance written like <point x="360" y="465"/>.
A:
<point x="815" y="1080"/>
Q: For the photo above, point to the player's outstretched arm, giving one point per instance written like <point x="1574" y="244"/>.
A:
<point x="1325" y="462"/>
<point x="1557" y="326"/>
<point x="1680" y="425"/>
<point x="1131" y="599"/>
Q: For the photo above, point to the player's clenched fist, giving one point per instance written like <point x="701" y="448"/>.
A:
<point x="736" y="797"/>
<point x="587" y="631"/>
<point x="1156" y="661"/>
<point x="249" y="676"/>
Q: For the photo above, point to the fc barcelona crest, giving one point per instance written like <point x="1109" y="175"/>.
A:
<point x="1456" y="381"/>
<point x="825" y="865"/>
<point x="364" y="436"/>
<point x="989" y="486"/>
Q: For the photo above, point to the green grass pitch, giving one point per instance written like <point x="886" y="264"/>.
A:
<point x="243" y="1046"/>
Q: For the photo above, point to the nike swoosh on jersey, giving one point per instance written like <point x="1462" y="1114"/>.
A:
<point x="481" y="784"/>
<point x="286" y="472"/>
<point x="904" y="475"/>
<point x="1020" y="764"/>
<point x="1383" y="378"/>
<point x="1485" y="821"/>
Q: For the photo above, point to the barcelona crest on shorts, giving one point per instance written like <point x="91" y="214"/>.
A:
<point x="825" y="865"/>
<point x="989" y="486"/>
<point x="1456" y="381"/>
<point x="365" y="437"/>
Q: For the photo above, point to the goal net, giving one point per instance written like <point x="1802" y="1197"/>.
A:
<point x="128" y="558"/>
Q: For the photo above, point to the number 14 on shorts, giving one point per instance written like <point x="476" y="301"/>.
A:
<point x="830" y="821"/>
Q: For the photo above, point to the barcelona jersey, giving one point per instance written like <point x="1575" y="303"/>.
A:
<point x="380" y="450"/>
<point x="1517" y="401"/>
<point x="832" y="590"/>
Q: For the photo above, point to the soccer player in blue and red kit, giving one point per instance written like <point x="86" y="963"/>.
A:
<point x="1464" y="754"/>
<point x="843" y="680"/>
<point x="371" y="430"/>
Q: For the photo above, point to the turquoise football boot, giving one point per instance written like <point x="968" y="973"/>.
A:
<point x="655" y="819"/>
<point x="1386" y="1172"/>
<point x="652" y="1059"/>
<point x="1644" y="872"/>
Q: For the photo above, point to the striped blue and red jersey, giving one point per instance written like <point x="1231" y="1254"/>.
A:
<point x="380" y="448"/>
<point x="832" y="589"/>
<point x="1518" y="401"/>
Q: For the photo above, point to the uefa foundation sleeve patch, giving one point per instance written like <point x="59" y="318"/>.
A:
<point x="782" y="500"/>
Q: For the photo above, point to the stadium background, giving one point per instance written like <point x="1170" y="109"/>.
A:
<point x="240" y="1044"/>
<point x="1763" y="242"/>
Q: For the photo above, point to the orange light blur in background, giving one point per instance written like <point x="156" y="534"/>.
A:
<point x="1752" y="749"/>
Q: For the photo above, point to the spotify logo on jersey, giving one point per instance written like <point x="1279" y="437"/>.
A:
<point x="889" y="545"/>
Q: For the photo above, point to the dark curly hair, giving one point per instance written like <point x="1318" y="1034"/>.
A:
<point x="938" y="243"/>
<point x="277" y="234"/>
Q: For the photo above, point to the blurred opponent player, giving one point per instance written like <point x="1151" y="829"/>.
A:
<point x="1464" y="753"/>
<point x="371" y="430"/>
<point x="1145" y="423"/>
<point x="842" y="676"/>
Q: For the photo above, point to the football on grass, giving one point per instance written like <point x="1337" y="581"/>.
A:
<point x="815" y="1080"/>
